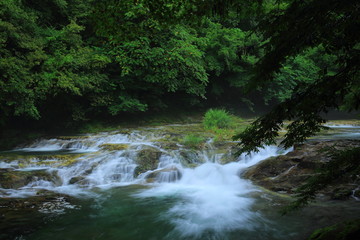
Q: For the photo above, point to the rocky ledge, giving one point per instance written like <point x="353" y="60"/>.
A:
<point x="285" y="173"/>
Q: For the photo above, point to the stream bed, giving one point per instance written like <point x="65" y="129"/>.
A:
<point x="145" y="184"/>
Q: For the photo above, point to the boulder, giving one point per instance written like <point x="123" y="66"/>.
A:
<point x="286" y="173"/>
<point x="147" y="159"/>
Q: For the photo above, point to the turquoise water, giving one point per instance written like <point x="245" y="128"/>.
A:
<point x="207" y="201"/>
<point x="118" y="214"/>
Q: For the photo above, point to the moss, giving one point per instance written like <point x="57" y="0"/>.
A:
<point x="355" y="122"/>
<point x="190" y="158"/>
<point x="147" y="159"/>
<point x="72" y="137"/>
<point x="166" y="144"/>
<point x="57" y="160"/>
<point x="114" y="147"/>
<point x="193" y="141"/>
<point x="192" y="165"/>
<point x="17" y="179"/>
<point x="152" y="176"/>
<point x="348" y="230"/>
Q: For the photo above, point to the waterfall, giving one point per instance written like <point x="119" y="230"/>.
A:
<point x="214" y="197"/>
<point x="189" y="193"/>
<point x="106" y="160"/>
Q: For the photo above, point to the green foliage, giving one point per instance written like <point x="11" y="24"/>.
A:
<point x="292" y="32"/>
<point x="42" y="64"/>
<point x="192" y="141"/>
<point x="299" y="71"/>
<point x="217" y="118"/>
<point x="81" y="59"/>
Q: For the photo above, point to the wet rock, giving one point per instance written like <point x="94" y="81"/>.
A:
<point x="225" y="145"/>
<point x="78" y="180"/>
<point x="114" y="147"/>
<point x="287" y="172"/>
<point x="167" y="145"/>
<point x="17" y="179"/>
<point x="171" y="174"/>
<point x="147" y="159"/>
<point x="55" y="160"/>
<point x="229" y="155"/>
<point x="190" y="158"/>
<point x="79" y="144"/>
<point x="72" y="137"/>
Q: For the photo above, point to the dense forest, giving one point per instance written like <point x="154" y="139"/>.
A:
<point x="72" y="61"/>
<point x="67" y="65"/>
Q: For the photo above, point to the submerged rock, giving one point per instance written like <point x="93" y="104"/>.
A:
<point x="286" y="173"/>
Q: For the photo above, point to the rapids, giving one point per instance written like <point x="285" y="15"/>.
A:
<point x="189" y="194"/>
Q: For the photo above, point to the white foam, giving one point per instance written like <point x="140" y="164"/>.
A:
<point x="213" y="196"/>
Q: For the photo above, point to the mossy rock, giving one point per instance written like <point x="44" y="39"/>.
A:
<point x="190" y="158"/>
<point x="286" y="173"/>
<point x="13" y="157"/>
<point x="229" y="155"/>
<point x="147" y="159"/>
<point x="79" y="180"/>
<point x="73" y="137"/>
<point x="17" y="179"/>
<point x="226" y="145"/>
<point x="114" y="146"/>
<point x="58" y="160"/>
<point x="348" y="230"/>
<point x="167" y="145"/>
<point x="175" y="174"/>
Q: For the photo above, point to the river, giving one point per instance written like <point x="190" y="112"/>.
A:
<point x="190" y="194"/>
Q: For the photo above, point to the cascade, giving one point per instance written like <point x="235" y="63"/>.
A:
<point x="94" y="165"/>
<point x="194" y="193"/>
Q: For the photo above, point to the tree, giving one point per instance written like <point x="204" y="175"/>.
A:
<point x="333" y="25"/>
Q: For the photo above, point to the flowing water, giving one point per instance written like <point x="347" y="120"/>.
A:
<point x="189" y="194"/>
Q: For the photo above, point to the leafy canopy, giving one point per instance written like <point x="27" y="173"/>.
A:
<point x="332" y="25"/>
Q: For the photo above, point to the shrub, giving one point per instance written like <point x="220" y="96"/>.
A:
<point x="217" y="118"/>
<point x="192" y="141"/>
